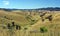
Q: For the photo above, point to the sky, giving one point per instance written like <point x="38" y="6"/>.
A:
<point x="29" y="4"/>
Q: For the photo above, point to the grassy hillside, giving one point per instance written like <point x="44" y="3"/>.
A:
<point x="29" y="22"/>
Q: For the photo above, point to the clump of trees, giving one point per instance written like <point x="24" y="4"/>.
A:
<point x="49" y="17"/>
<point x="9" y="26"/>
<point x="42" y="14"/>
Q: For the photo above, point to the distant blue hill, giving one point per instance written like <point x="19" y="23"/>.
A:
<point x="48" y="8"/>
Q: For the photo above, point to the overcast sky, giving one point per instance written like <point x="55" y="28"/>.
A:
<point x="29" y="4"/>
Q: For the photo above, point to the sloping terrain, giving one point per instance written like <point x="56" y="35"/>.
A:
<point x="29" y="21"/>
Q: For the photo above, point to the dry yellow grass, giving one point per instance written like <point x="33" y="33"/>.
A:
<point x="20" y="19"/>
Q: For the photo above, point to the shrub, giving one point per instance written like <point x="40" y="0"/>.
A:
<point x="13" y="24"/>
<point x="9" y="26"/>
<point x="25" y="28"/>
<point x="43" y="20"/>
<point x="43" y="29"/>
<point x="18" y="27"/>
<point x="33" y="20"/>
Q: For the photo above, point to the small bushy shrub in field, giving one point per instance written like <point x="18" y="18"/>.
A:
<point x="43" y="20"/>
<point x="43" y="29"/>
<point x="25" y="28"/>
<point x="33" y="20"/>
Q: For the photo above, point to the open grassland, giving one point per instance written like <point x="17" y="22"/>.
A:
<point x="30" y="23"/>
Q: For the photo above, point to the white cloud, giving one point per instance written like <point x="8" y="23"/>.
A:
<point x="6" y="2"/>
